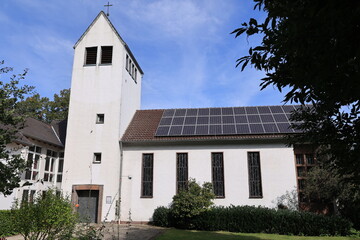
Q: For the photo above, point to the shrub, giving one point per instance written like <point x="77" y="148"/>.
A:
<point x="252" y="219"/>
<point x="161" y="217"/>
<point x="190" y="203"/>
<point x="259" y="219"/>
<point x="6" y="226"/>
<point x="49" y="217"/>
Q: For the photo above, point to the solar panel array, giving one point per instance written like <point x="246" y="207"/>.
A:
<point x="225" y="121"/>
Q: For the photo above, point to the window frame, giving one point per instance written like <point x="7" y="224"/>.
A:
<point x="86" y="56"/>
<point x="255" y="195"/>
<point x="178" y="172"/>
<point x="33" y="171"/>
<point x="100" y="118"/>
<point x="96" y="156"/>
<point x="106" y="51"/>
<point x="222" y="173"/>
<point x="50" y="164"/>
<point x="143" y="172"/>
<point x="60" y="167"/>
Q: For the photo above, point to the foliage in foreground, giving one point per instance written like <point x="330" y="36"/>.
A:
<point x="309" y="50"/>
<point x="250" y="219"/>
<point x="176" y="234"/>
<point x="11" y="92"/>
<point x="6" y="226"/>
<point x="50" y="216"/>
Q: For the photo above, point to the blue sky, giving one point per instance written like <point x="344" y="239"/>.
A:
<point x="183" y="46"/>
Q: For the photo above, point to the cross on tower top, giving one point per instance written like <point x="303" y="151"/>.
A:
<point x="108" y="5"/>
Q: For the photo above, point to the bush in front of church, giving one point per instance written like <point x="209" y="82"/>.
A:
<point x="161" y="217"/>
<point x="49" y="216"/>
<point x="186" y="205"/>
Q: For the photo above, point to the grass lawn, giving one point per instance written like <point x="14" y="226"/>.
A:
<point x="175" y="234"/>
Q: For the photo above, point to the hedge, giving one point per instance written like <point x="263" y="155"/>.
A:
<point x="6" y="227"/>
<point x="252" y="219"/>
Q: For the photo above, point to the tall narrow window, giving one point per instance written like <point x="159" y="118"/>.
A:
<point x="218" y="174"/>
<point x="127" y="62"/>
<point x="181" y="171"/>
<point x="50" y="160"/>
<point x="33" y="161"/>
<point x="91" y="55"/>
<point x="106" y="54"/>
<point x="60" y="167"/>
<point x="135" y="77"/>
<point x="304" y="163"/>
<point x="147" y="175"/>
<point x="255" y="188"/>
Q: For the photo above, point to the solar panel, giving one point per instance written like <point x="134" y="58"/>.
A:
<point x="169" y="113"/>
<point x="227" y="111"/>
<point x="180" y="112"/>
<point x="264" y="109"/>
<point x="204" y="111"/>
<point x="239" y="110"/>
<point x="175" y="130"/>
<point x="226" y="121"/>
<point x="256" y="128"/>
<point x="276" y="109"/>
<point x="192" y="112"/>
<point x="229" y="129"/>
<point x="202" y="120"/>
<point x="280" y="118"/>
<point x="251" y="110"/>
<point x="202" y="130"/>
<point x="215" y="119"/>
<point x="270" y="128"/>
<point x="190" y="120"/>
<point x="266" y="118"/>
<point x="284" y="127"/>
<point x="188" y="130"/>
<point x="242" y="129"/>
<point x="215" y="130"/>
<point x="165" y="121"/>
<point x="241" y="119"/>
<point x="254" y="119"/>
<point x="178" y="121"/>
<point x="162" y="131"/>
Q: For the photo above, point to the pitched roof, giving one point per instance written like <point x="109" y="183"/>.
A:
<point x="38" y="130"/>
<point x="146" y="123"/>
<point x="117" y="34"/>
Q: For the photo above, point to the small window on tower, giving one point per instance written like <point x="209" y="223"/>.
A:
<point x="91" y="54"/>
<point x="97" y="158"/>
<point x="100" y="118"/>
<point x="106" y="54"/>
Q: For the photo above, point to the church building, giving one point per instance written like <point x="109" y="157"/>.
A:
<point x="120" y="163"/>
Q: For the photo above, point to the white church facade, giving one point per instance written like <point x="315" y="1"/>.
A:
<point x="120" y="162"/>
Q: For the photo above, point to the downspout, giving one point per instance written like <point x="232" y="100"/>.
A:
<point x="120" y="183"/>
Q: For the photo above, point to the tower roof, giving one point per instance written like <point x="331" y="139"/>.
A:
<point x="101" y="13"/>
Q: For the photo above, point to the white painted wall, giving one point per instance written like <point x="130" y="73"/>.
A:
<point x="38" y="186"/>
<point x="105" y="89"/>
<point x="277" y="170"/>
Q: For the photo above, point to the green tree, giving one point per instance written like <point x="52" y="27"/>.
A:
<point x="191" y="202"/>
<point x="11" y="165"/>
<point x="44" y="109"/>
<point x="327" y="185"/>
<point x="309" y="49"/>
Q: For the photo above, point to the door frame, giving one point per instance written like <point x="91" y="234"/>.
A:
<point x="75" y="197"/>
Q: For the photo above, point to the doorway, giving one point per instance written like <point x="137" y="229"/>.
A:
<point x="88" y="202"/>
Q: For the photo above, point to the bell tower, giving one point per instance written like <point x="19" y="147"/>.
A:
<point x="105" y="93"/>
